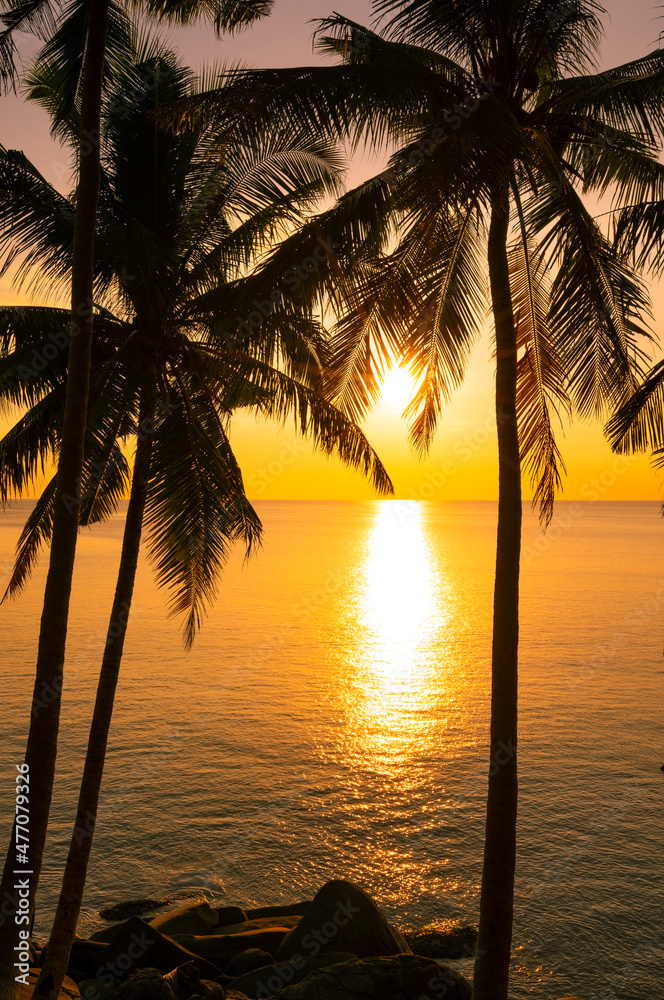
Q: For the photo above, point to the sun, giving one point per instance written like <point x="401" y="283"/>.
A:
<point x="397" y="389"/>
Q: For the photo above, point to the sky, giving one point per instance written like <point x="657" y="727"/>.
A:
<point x="462" y="464"/>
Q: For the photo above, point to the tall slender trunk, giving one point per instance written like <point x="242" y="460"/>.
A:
<point x="42" y="742"/>
<point x="492" y="964"/>
<point x="76" y="868"/>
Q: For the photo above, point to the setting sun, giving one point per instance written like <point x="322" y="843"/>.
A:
<point x="397" y="390"/>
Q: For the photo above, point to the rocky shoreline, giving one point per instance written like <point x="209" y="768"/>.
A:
<point x="338" y="946"/>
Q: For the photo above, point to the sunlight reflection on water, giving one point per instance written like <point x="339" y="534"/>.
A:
<point x="400" y="661"/>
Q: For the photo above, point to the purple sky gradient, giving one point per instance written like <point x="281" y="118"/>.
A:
<point x="284" y="39"/>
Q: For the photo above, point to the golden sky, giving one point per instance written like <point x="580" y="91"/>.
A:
<point x="462" y="464"/>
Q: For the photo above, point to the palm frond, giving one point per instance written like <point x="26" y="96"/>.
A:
<point x="541" y="376"/>
<point x="639" y="423"/>
<point x="196" y="507"/>
<point x="251" y="382"/>
<point x="225" y="15"/>
<point x="599" y="308"/>
<point x="638" y="235"/>
<point x="36" y="225"/>
<point x="105" y="481"/>
<point x="36" y="532"/>
<point x="444" y="329"/>
<point x="625" y="97"/>
<point x="38" y="17"/>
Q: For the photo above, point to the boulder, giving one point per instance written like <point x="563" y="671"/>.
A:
<point x="35" y="948"/>
<point x="445" y="940"/>
<point x="230" y="915"/>
<point x="185" y="982"/>
<point x="194" y="918"/>
<point x="149" y="984"/>
<point x="145" y="984"/>
<point x="267" y="982"/>
<point x="220" y="948"/>
<point x="106" y="934"/>
<point x="247" y="961"/>
<point x="259" y="924"/>
<point x="289" y="910"/>
<point x="395" y="977"/>
<point x="84" y="959"/>
<point x="342" y="917"/>
<point x="131" y="908"/>
<point x="135" y="945"/>
<point x="93" y="989"/>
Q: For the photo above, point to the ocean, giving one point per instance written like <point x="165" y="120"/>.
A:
<point x="332" y="721"/>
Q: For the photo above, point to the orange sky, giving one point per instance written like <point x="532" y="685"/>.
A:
<point x="462" y="464"/>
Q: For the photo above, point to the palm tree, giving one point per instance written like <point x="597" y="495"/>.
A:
<point x="498" y="121"/>
<point x="176" y="228"/>
<point x="98" y="19"/>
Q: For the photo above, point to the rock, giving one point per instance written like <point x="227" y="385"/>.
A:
<point x="220" y="948"/>
<point x="106" y="934"/>
<point x="185" y="981"/>
<point x="131" y="908"/>
<point x="35" y="949"/>
<point x="68" y="991"/>
<point x="267" y="982"/>
<point x="230" y="915"/>
<point x="290" y="910"/>
<point x="194" y="918"/>
<point x="146" y="984"/>
<point x="135" y="945"/>
<point x="343" y="917"/>
<point x="261" y="923"/>
<point x="93" y="989"/>
<point x="396" y="977"/>
<point x="247" y="961"/>
<point x="444" y="940"/>
<point x="84" y="959"/>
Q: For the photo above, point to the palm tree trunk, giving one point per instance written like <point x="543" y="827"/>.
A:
<point x="73" y="883"/>
<point x="492" y="965"/>
<point x="42" y="742"/>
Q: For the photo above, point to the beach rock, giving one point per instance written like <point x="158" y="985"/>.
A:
<point x="230" y="915"/>
<point x="145" y="984"/>
<point x="220" y="948"/>
<point x="131" y="908"/>
<point x="396" y="977"/>
<point x="68" y="991"/>
<point x="247" y="961"/>
<point x="267" y="981"/>
<point x="137" y="945"/>
<point x="343" y="917"/>
<point x="259" y="924"/>
<point x="106" y="934"/>
<point x="194" y="918"/>
<point x="35" y="948"/>
<point x="84" y="959"/>
<point x="447" y="940"/>
<point x="185" y="982"/>
<point x="93" y="989"/>
<point x="289" y="910"/>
